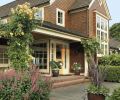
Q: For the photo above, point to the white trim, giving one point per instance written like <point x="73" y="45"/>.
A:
<point x="97" y="12"/>
<point x="86" y="65"/>
<point x="63" y="35"/>
<point x="52" y="1"/>
<point x="100" y="2"/>
<point x="91" y="4"/>
<point x="63" y="12"/>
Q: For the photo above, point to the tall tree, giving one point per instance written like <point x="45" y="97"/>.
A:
<point x="115" y="31"/>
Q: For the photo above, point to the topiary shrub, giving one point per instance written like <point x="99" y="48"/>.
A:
<point x="112" y="73"/>
<point x="115" y="95"/>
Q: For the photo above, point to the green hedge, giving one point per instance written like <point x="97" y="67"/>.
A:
<point x="113" y="60"/>
<point x="112" y="74"/>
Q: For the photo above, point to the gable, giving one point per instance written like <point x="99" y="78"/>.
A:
<point x="78" y="4"/>
<point x="101" y="7"/>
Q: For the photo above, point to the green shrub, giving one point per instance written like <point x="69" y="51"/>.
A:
<point x="115" y="95"/>
<point x="115" y="60"/>
<point x="105" y="60"/>
<point x="98" y="90"/>
<point x="112" y="73"/>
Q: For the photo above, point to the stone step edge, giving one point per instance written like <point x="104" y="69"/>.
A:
<point x="69" y="83"/>
<point x="69" y="79"/>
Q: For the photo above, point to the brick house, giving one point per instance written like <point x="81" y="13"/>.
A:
<point x="65" y="22"/>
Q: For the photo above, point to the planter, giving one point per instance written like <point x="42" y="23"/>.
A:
<point x="95" y="97"/>
<point x="77" y="72"/>
<point x="55" y="73"/>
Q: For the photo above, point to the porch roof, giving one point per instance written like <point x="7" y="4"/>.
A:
<point x="50" y="29"/>
<point x="63" y="29"/>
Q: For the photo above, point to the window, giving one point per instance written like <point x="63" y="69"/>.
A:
<point x="3" y="21"/>
<point x="3" y="58"/>
<point x="102" y="34"/>
<point x="58" y="51"/>
<point x="40" y="54"/>
<point x="39" y="15"/>
<point x="60" y="17"/>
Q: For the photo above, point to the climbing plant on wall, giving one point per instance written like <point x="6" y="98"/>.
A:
<point x="18" y="31"/>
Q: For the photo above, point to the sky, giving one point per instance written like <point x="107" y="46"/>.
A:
<point x="113" y="5"/>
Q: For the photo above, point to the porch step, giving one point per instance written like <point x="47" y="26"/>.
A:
<point x="68" y="81"/>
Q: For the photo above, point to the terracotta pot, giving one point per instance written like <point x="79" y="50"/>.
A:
<point x="95" y="96"/>
<point x="77" y="72"/>
<point x="55" y="73"/>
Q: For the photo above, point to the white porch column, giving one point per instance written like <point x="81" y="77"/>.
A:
<point x="86" y="65"/>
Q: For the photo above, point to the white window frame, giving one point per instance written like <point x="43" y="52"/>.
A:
<point x="4" y="65"/>
<point x="63" y="12"/>
<point x="105" y="42"/>
<point x="40" y="9"/>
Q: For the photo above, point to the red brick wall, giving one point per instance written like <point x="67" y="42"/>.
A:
<point x="50" y="11"/>
<point x="79" y="21"/>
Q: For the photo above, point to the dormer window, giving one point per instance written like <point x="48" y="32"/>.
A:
<point x="60" y="17"/>
<point x="39" y="15"/>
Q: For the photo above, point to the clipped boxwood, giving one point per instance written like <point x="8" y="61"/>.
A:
<point x="112" y="74"/>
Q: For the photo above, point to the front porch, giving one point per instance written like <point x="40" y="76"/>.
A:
<point x="51" y="45"/>
<point x="47" y="48"/>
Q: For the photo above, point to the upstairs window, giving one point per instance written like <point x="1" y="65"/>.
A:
<point x="60" y="17"/>
<point x="39" y="15"/>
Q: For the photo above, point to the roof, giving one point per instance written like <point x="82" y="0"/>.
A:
<point x="114" y="44"/>
<point x="5" y="9"/>
<point x="62" y="29"/>
<point x="80" y="4"/>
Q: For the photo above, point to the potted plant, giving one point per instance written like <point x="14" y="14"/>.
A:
<point x="96" y="91"/>
<point x="55" y="66"/>
<point x="77" y="68"/>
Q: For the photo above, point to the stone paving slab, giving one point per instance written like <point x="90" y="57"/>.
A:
<point x="76" y="92"/>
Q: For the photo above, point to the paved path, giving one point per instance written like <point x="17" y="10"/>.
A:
<point x="76" y="92"/>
